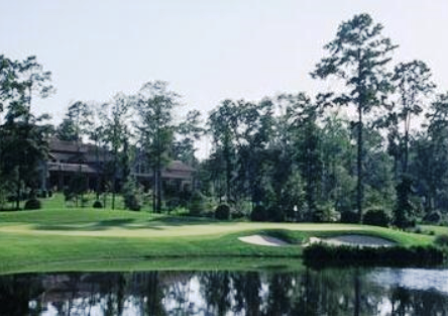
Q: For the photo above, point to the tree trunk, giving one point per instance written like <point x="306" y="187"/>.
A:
<point x="359" y="197"/>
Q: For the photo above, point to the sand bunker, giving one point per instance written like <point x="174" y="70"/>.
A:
<point x="350" y="240"/>
<point x="354" y="240"/>
<point x="263" y="240"/>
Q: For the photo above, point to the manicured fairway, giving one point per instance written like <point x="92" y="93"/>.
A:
<point x="72" y="239"/>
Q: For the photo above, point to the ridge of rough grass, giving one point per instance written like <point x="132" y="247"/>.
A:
<point x="163" y="264"/>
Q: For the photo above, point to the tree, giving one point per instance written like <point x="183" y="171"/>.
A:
<point x="188" y="132"/>
<point x="23" y="144"/>
<point x="220" y="127"/>
<point x="155" y="105"/>
<point x="115" y="117"/>
<point x="359" y="55"/>
<point x="306" y="141"/>
<point x="413" y="80"/>
<point x="34" y="79"/>
<point x="431" y="155"/>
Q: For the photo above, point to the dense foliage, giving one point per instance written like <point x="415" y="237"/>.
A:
<point x="291" y="157"/>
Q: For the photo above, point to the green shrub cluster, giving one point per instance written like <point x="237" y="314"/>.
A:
<point x="349" y="217"/>
<point x="433" y="217"/>
<point x="97" y="204"/>
<point x="321" y="254"/>
<point x="376" y="217"/>
<point x="441" y="240"/>
<point x="32" y="204"/>
<point x="222" y="212"/>
<point x="259" y="214"/>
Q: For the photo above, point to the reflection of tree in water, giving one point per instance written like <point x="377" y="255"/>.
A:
<point x="247" y="287"/>
<point x="18" y="293"/>
<point x="325" y="292"/>
<point x="216" y="287"/>
<point x="418" y="302"/>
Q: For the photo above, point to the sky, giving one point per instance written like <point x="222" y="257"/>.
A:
<point x="207" y="50"/>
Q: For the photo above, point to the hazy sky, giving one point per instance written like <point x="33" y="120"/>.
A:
<point x="207" y="50"/>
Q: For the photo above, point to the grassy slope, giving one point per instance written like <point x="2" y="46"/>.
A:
<point x="75" y="239"/>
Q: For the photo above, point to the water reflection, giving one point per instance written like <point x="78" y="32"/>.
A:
<point x="326" y="292"/>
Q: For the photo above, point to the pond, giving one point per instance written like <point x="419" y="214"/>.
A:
<point x="376" y="291"/>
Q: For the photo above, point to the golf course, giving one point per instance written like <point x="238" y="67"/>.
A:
<point x="58" y="238"/>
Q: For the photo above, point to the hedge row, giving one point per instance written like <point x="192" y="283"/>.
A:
<point x="323" y="255"/>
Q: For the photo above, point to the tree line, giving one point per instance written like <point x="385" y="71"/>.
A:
<point x="374" y="149"/>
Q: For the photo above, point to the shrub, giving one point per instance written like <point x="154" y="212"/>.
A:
<point x="97" y="204"/>
<point x="197" y="203"/>
<point x="222" y="212"/>
<point x="433" y="217"/>
<point x="321" y="254"/>
<point x="349" y="217"/>
<point x="325" y="214"/>
<point x="131" y="196"/>
<point x="238" y="214"/>
<point x="376" y="217"/>
<point x="33" y="204"/>
<point x="441" y="240"/>
<point x="275" y="214"/>
<point x="258" y="214"/>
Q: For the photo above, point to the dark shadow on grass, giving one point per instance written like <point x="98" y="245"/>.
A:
<point x="97" y="226"/>
<point x="130" y="223"/>
<point x="183" y="220"/>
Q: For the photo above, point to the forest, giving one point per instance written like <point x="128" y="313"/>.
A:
<point x="372" y="150"/>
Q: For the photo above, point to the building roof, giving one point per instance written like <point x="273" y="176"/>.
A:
<point x="71" y="167"/>
<point x="65" y="146"/>
<point x="68" y="155"/>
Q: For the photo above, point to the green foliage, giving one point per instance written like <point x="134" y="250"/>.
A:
<point x="275" y="214"/>
<point x="322" y="255"/>
<point x="325" y="214"/>
<point x="349" y="217"/>
<point x="132" y="195"/>
<point x="259" y="214"/>
<point x="403" y="213"/>
<point x="97" y="204"/>
<point x="441" y="240"/>
<point x="32" y="204"/>
<point x="433" y="217"/>
<point x="376" y="217"/>
<point x="222" y="212"/>
<point x="358" y="55"/>
<point x="197" y="203"/>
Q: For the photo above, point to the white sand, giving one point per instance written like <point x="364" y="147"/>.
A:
<point x="351" y="240"/>
<point x="263" y="240"/>
<point x="354" y="240"/>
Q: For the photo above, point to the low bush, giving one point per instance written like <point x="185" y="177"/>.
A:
<point x="349" y="217"/>
<point x="275" y="214"/>
<point x="32" y="204"/>
<point x="222" y="212"/>
<point x="132" y="195"/>
<point x="376" y="217"/>
<point x="432" y="217"/>
<point x="322" y="254"/>
<point x="97" y="204"/>
<point x="197" y="203"/>
<point x="441" y="240"/>
<point x="238" y="214"/>
<point x="258" y="214"/>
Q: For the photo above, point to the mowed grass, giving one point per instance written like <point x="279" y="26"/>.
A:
<point x="84" y="238"/>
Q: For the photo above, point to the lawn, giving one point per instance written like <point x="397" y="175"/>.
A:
<point x="99" y="239"/>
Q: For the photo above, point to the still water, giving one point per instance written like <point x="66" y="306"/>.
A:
<point x="379" y="291"/>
